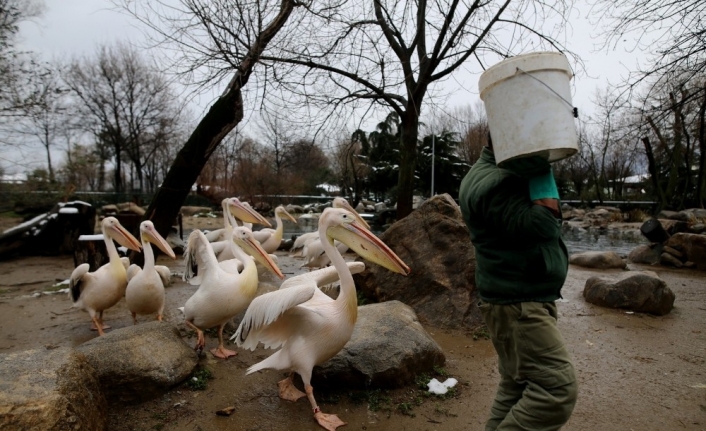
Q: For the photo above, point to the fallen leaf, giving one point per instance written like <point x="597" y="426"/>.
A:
<point x="226" y="411"/>
<point x="698" y="386"/>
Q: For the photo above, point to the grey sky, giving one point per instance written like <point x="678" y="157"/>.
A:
<point x="71" y="28"/>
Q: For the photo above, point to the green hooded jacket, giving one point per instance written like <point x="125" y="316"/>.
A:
<point x="519" y="251"/>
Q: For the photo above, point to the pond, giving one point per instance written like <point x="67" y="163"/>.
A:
<point x="621" y="241"/>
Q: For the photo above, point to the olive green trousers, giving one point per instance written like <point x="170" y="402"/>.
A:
<point x="537" y="390"/>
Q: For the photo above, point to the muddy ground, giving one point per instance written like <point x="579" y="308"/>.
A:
<point x="636" y="372"/>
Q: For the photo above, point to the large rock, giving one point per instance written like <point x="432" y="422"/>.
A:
<point x="646" y="253"/>
<point x="692" y="245"/>
<point x="598" y="260"/>
<point x="388" y="349"/>
<point x="434" y="242"/>
<point x="643" y="292"/>
<point x="53" y="390"/>
<point x="140" y="362"/>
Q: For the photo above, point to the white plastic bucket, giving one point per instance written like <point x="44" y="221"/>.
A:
<point x="528" y="104"/>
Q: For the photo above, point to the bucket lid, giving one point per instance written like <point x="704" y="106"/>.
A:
<point x="528" y="63"/>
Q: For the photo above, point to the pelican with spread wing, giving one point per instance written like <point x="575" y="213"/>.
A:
<point x="308" y="326"/>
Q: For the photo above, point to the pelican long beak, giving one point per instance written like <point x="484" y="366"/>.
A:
<point x="247" y="214"/>
<point x="151" y="235"/>
<point x="367" y="245"/>
<point x="289" y="216"/>
<point x="254" y="249"/>
<point x="124" y="238"/>
<point x="346" y="206"/>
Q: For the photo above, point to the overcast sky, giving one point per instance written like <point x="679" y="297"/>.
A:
<point x="70" y="28"/>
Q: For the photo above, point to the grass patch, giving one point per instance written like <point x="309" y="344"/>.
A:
<point x="481" y="332"/>
<point x="198" y="381"/>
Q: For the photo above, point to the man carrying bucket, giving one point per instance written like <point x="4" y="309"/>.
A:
<point x="511" y="212"/>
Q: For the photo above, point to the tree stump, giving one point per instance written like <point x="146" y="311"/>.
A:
<point x="90" y="249"/>
<point x="653" y="230"/>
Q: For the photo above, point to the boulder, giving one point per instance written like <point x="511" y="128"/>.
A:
<point x="388" y="349"/>
<point x="647" y="253"/>
<point x="692" y="245"/>
<point x="140" y="362"/>
<point x="673" y="252"/>
<point x="643" y="292"/>
<point x="599" y="213"/>
<point x="674" y="226"/>
<point x="434" y="242"/>
<point x="665" y="214"/>
<point x="684" y="216"/>
<point x="699" y="213"/>
<point x="55" y="390"/>
<point x="598" y="260"/>
<point x="669" y="260"/>
<point x="697" y="228"/>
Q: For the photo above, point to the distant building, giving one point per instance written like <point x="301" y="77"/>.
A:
<point x="13" y="178"/>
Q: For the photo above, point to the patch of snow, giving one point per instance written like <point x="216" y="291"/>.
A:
<point x="68" y="210"/>
<point x="97" y="237"/>
<point x="79" y="203"/>
<point x="21" y="226"/>
<point x="122" y="249"/>
<point x="436" y="387"/>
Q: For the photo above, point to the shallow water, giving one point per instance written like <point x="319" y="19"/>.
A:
<point x="577" y="240"/>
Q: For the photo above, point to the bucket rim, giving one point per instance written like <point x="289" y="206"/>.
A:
<point x="531" y="62"/>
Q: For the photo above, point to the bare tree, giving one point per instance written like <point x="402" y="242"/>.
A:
<point x="125" y="103"/>
<point x="672" y="31"/>
<point x="14" y="65"/>
<point x="200" y="30"/>
<point x="346" y="54"/>
<point x="44" y="113"/>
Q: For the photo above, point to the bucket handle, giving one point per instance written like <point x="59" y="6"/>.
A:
<point x="574" y="109"/>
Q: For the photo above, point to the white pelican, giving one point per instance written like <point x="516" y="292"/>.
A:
<point x="305" y="239"/>
<point x="97" y="291"/>
<point x="230" y="206"/>
<point x="221" y="295"/>
<point x="270" y="239"/>
<point x="145" y="288"/>
<point x="315" y="255"/>
<point x="239" y="213"/>
<point x="309" y="326"/>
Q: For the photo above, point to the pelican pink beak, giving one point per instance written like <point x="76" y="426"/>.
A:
<point x="245" y="212"/>
<point x="112" y="227"/>
<point x="252" y="247"/>
<point x="150" y="234"/>
<point x="356" y="236"/>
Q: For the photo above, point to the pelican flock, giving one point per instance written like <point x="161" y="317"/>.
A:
<point x="97" y="291"/>
<point x="306" y="324"/>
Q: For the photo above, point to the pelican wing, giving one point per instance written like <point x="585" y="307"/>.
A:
<point x="77" y="281"/>
<point x="257" y="325"/>
<point x="321" y="277"/>
<point x="198" y="254"/>
<point x="216" y="235"/>
<point x="132" y="271"/>
<point x="164" y="273"/>
<point x="263" y="235"/>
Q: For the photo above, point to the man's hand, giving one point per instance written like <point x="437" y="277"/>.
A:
<point x="551" y="204"/>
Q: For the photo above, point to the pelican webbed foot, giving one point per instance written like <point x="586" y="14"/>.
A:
<point x="223" y="353"/>
<point x="329" y="422"/>
<point x="288" y="391"/>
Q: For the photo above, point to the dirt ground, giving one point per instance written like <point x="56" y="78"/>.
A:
<point x="636" y="372"/>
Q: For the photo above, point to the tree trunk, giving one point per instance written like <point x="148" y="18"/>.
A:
<point x="701" y="178"/>
<point x="408" y="163"/>
<point x="652" y="166"/>
<point x="221" y="118"/>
